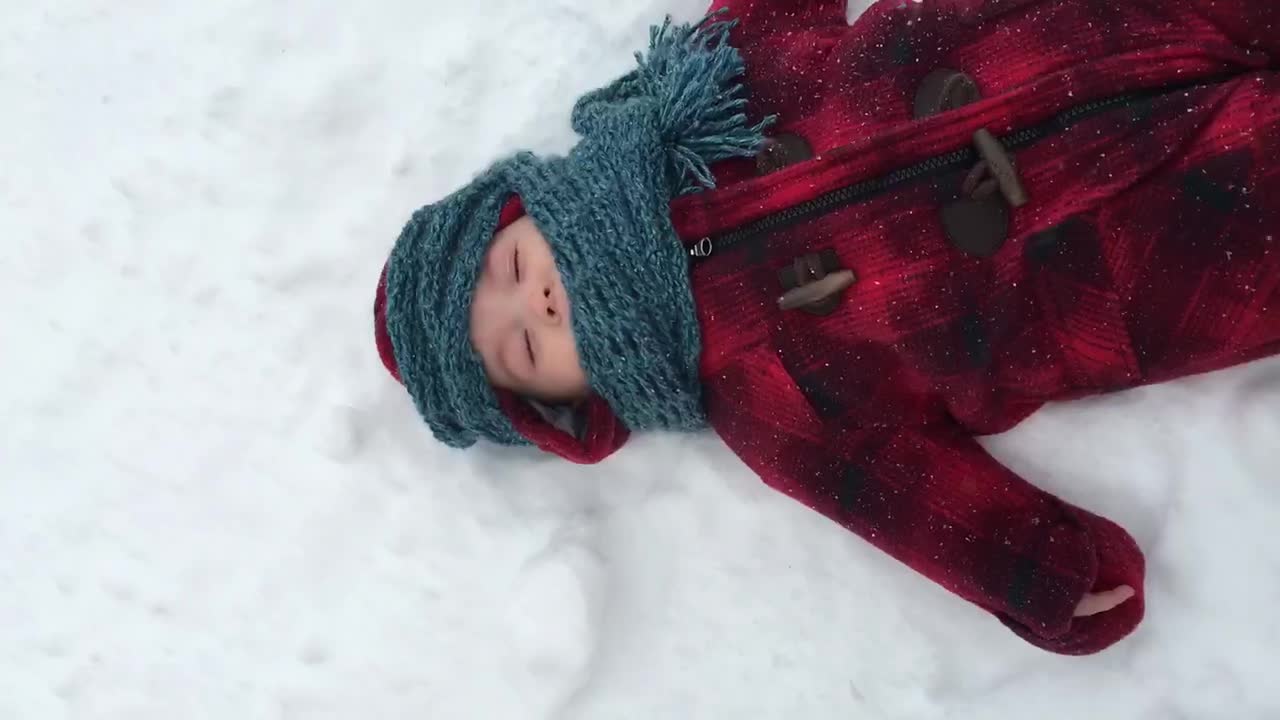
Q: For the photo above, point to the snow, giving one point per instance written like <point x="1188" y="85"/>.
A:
<point x="216" y="504"/>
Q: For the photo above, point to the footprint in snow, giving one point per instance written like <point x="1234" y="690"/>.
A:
<point x="552" y="621"/>
<point x="339" y="433"/>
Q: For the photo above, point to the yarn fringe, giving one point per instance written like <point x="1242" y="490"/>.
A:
<point x="695" y="76"/>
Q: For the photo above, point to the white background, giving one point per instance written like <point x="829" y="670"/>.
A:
<point x="215" y="504"/>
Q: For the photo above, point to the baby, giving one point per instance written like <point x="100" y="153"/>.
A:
<point x="849" y="250"/>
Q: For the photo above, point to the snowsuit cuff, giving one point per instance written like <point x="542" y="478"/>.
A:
<point x="1119" y="562"/>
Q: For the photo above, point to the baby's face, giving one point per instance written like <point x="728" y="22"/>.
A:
<point x="520" y="319"/>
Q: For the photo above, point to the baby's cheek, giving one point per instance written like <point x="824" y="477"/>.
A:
<point x="481" y="317"/>
<point x="570" y="374"/>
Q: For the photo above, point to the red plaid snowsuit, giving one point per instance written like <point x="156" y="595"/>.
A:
<point x="1149" y="250"/>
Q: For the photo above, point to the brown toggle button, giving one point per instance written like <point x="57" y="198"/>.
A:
<point x="978" y="222"/>
<point x="1001" y="166"/>
<point x="820" y="296"/>
<point x="977" y="226"/>
<point x="782" y="151"/>
<point x="944" y="90"/>
<point x="814" y="282"/>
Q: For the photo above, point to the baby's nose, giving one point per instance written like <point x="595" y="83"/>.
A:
<point x="545" y="307"/>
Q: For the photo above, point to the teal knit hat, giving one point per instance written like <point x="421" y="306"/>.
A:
<point x="603" y="208"/>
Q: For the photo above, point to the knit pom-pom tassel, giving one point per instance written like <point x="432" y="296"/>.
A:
<point x="695" y="76"/>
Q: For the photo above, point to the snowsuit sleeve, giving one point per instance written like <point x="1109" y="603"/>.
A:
<point x="935" y="500"/>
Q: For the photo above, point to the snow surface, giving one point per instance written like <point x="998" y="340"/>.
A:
<point x="215" y="504"/>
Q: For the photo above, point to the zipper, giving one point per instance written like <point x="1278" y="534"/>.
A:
<point x="932" y="167"/>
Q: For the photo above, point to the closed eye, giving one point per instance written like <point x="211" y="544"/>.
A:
<point x="515" y="262"/>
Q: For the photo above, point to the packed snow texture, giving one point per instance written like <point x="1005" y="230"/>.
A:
<point x="216" y="504"/>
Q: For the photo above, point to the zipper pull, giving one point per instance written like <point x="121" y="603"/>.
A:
<point x="701" y="249"/>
